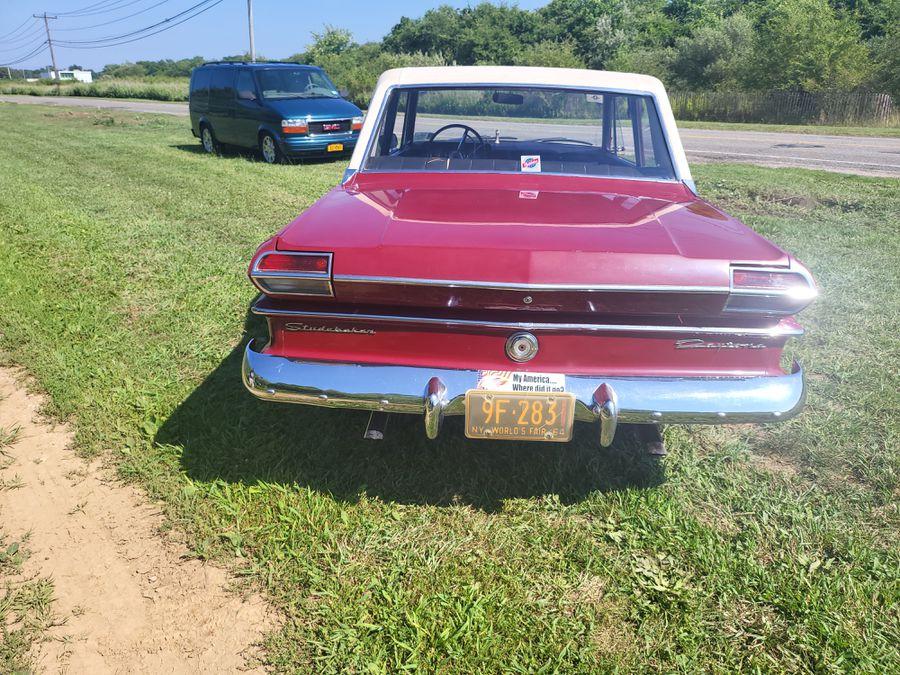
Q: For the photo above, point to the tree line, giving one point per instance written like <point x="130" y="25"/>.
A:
<point x="733" y="45"/>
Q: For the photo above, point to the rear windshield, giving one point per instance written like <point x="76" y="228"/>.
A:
<point x="520" y="130"/>
<point x="276" y="83"/>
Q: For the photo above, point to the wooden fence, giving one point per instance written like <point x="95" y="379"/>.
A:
<point x="788" y="107"/>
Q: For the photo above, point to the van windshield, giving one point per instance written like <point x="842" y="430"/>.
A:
<point x="521" y="130"/>
<point x="275" y="83"/>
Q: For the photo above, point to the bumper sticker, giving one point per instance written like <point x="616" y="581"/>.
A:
<point x="511" y="380"/>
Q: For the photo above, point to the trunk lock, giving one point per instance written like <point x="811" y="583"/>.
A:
<point x="521" y="347"/>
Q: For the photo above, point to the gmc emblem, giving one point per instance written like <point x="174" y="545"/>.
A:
<point x="331" y="126"/>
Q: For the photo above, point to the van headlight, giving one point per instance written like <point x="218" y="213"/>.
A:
<point x="294" y="126"/>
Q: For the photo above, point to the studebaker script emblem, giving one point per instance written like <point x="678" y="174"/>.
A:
<point x="697" y="343"/>
<point x="306" y="328"/>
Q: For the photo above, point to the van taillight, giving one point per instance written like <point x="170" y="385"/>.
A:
<point x="289" y="273"/>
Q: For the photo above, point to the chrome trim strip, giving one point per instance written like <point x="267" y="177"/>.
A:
<point x="510" y="286"/>
<point x="774" y="331"/>
<point x="435" y="392"/>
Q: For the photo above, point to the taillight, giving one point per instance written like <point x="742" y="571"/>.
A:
<point x="289" y="273"/>
<point x="294" y="126"/>
<point x="356" y="123"/>
<point x="772" y="291"/>
<point x="287" y="262"/>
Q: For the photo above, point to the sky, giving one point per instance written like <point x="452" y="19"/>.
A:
<point x="282" y="27"/>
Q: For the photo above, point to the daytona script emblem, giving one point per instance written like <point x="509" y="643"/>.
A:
<point x="305" y="327"/>
<point x="697" y="343"/>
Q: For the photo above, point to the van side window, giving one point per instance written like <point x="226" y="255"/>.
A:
<point x="222" y="86"/>
<point x="244" y="83"/>
<point x="200" y="82"/>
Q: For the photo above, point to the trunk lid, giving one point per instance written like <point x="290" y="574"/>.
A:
<point x="530" y="243"/>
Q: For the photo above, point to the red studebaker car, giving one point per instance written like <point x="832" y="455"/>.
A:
<point x="525" y="247"/>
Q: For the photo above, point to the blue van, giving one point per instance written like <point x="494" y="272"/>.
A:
<point x="284" y="110"/>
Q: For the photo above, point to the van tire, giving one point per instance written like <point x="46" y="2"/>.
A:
<point x="269" y="150"/>
<point x="208" y="140"/>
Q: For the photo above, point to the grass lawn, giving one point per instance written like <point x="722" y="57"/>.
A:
<point x="123" y="290"/>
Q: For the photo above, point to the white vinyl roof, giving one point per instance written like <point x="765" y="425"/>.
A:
<point x="573" y="78"/>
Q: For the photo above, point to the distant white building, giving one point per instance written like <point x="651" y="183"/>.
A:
<point x="72" y="75"/>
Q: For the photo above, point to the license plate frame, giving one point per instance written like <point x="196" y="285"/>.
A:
<point x="478" y="424"/>
<point x="335" y="147"/>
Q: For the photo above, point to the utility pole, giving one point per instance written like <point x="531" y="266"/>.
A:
<point x="44" y="16"/>
<point x="250" y="23"/>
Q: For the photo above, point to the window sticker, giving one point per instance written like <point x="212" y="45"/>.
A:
<point x="594" y="98"/>
<point x="531" y="163"/>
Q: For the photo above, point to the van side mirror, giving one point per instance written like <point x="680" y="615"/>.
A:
<point x="246" y="95"/>
<point x="344" y="92"/>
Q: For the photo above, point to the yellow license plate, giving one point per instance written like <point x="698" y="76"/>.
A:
<point x="519" y="416"/>
<point x="335" y="147"/>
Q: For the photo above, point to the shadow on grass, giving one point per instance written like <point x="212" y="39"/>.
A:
<point x="228" y="434"/>
<point x="253" y="155"/>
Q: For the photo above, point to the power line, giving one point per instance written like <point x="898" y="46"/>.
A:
<point x="121" y="39"/>
<point x="32" y="54"/>
<point x="16" y="29"/>
<point x="97" y="8"/>
<point x="25" y="37"/>
<point x="114" y="40"/>
<point x="161" y="30"/>
<point x="33" y="41"/>
<point x="121" y="18"/>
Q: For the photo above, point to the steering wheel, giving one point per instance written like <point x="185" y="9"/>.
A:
<point x="466" y="131"/>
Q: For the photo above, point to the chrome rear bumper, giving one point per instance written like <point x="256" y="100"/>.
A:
<point x="435" y="393"/>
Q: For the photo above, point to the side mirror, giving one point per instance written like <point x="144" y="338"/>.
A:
<point x="344" y="92"/>
<point x="246" y="95"/>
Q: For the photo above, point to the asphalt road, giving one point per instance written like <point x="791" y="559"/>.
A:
<point x="847" y="154"/>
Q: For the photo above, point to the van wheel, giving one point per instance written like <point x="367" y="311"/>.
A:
<point x="208" y="140"/>
<point x="268" y="149"/>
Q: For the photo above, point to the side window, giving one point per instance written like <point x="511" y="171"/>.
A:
<point x="623" y="129"/>
<point x="636" y="136"/>
<point x="393" y="132"/>
<point x="221" y="86"/>
<point x="647" y="156"/>
<point x="244" y="82"/>
<point x="400" y="119"/>
<point x="200" y="82"/>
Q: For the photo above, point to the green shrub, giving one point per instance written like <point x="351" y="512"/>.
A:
<point x="156" y="89"/>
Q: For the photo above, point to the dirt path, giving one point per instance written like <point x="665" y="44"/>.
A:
<point x="129" y="601"/>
